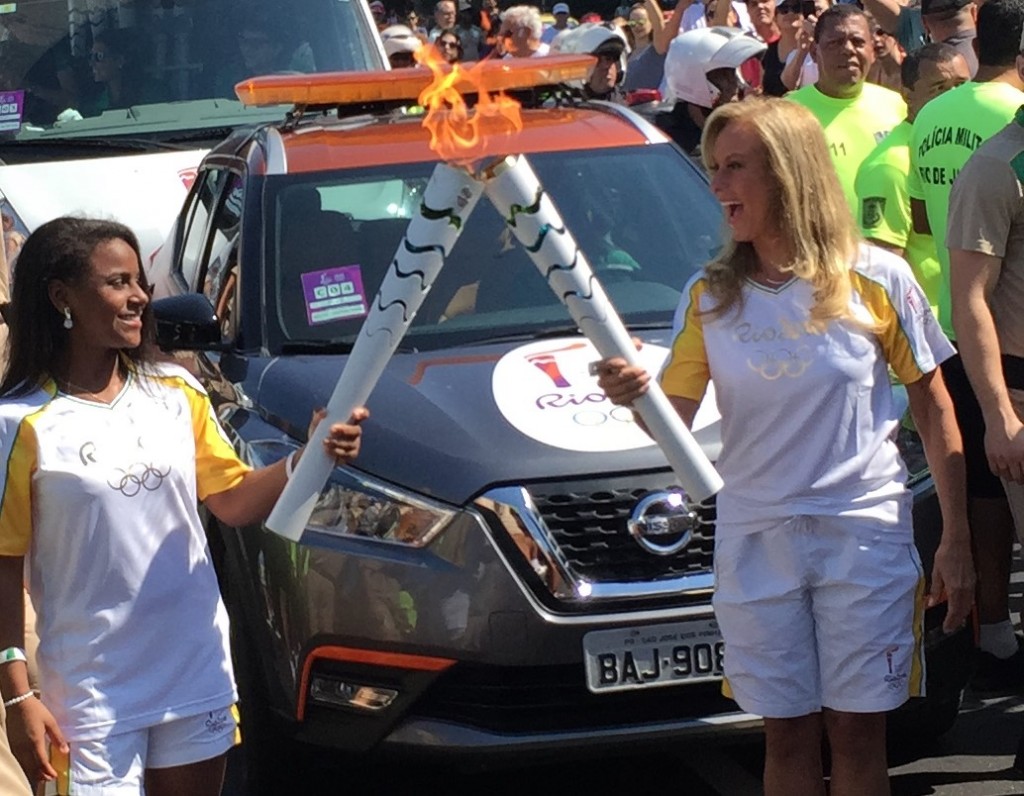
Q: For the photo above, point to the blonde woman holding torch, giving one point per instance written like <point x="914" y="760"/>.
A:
<point x="819" y="589"/>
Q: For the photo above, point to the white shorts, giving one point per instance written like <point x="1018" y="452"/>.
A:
<point x="815" y="615"/>
<point x="116" y="765"/>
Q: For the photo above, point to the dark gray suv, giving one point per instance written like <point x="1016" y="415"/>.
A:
<point x="510" y="565"/>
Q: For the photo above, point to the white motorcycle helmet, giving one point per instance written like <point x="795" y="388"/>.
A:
<point x="589" y="38"/>
<point x="693" y="54"/>
<point x="399" y="39"/>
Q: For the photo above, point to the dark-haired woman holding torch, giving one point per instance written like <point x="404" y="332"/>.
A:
<point x="105" y="453"/>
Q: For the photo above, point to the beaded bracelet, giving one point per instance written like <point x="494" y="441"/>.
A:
<point x="18" y="699"/>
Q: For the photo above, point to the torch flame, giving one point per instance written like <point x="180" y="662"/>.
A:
<point x="457" y="134"/>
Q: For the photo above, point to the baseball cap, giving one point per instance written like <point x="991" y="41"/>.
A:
<point x="560" y="8"/>
<point x="939" y="6"/>
<point x="377" y="7"/>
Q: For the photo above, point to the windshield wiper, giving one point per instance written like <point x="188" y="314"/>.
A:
<point x="97" y="142"/>
<point x="212" y="134"/>
<point x="317" y="347"/>
<point x="565" y="330"/>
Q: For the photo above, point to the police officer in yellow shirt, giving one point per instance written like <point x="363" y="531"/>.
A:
<point x="856" y="115"/>
<point x="883" y="199"/>
<point x="946" y="133"/>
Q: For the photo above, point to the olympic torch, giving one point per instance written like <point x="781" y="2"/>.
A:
<point x="516" y="193"/>
<point x="448" y="200"/>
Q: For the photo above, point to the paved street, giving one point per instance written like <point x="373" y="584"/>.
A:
<point x="973" y="759"/>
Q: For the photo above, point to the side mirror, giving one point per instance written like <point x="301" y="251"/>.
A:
<point x="187" y="323"/>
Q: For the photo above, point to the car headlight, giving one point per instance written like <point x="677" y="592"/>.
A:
<point x="354" y="504"/>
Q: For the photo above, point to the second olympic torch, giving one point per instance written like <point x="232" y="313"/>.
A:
<point x="515" y="191"/>
<point x="448" y="200"/>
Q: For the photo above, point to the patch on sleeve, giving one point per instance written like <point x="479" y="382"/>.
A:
<point x="872" y="211"/>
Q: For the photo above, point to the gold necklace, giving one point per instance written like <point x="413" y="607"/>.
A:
<point x="63" y="383"/>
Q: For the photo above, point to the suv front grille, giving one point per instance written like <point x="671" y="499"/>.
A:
<point x="587" y="522"/>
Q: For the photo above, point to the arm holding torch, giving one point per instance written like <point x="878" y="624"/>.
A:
<point x="515" y="191"/>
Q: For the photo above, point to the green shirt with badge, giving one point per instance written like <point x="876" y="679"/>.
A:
<point x="883" y="209"/>
<point x="853" y="127"/>
<point x="945" y="134"/>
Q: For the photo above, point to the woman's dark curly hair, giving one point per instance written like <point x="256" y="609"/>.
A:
<point x="58" y="250"/>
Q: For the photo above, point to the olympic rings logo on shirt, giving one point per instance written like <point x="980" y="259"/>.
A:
<point x="138" y="477"/>
<point x="772" y="365"/>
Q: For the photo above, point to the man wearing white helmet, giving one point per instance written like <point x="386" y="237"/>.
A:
<point x="399" y="44"/>
<point x="608" y="44"/>
<point x="702" y="71"/>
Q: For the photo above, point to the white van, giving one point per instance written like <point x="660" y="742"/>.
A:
<point x="107" y="108"/>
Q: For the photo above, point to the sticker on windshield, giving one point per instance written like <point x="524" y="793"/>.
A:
<point x="334" y="294"/>
<point x="12" y="108"/>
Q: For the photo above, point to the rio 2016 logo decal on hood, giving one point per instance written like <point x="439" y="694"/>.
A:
<point x="545" y="390"/>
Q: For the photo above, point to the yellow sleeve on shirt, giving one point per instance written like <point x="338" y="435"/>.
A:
<point x="686" y="374"/>
<point x="218" y="467"/>
<point x="883" y="206"/>
<point x="891" y="335"/>
<point x="16" y="500"/>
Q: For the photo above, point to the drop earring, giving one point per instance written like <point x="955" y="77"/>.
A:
<point x="68" y="323"/>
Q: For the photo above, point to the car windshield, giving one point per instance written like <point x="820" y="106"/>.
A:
<point x="72" y="68"/>
<point x="643" y="216"/>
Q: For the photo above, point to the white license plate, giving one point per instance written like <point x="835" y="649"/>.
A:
<point x="653" y="655"/>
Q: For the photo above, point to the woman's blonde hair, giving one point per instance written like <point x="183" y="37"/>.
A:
<point x="810" y="210"/>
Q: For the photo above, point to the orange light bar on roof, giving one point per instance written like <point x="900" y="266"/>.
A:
<point x="345" y="88"/>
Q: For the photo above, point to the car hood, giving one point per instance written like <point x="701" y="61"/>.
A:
<point x="451" y="424"/>
<point x="145" y="191"/>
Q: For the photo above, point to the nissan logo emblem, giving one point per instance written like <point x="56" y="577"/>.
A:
<point x="662" y="523"/>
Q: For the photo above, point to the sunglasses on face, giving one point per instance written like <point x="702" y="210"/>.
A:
<point x="803" y="8"/>
<point x="97" y="57"/>
<point x="448" y="43"/>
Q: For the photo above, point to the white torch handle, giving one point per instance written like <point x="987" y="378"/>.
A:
<point x="448" y="200"/>
<point x="531" y="215"/>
